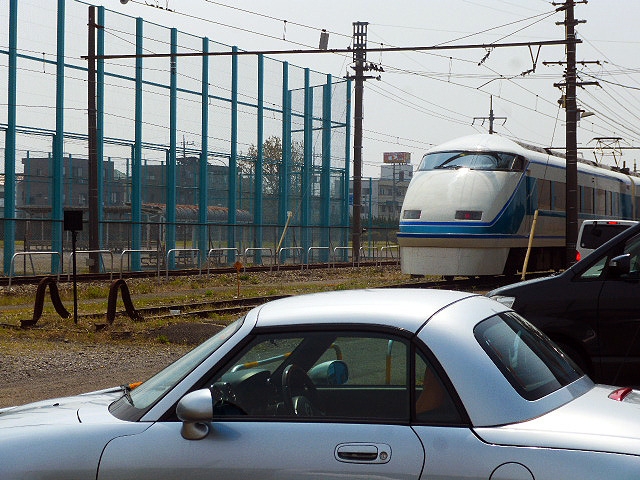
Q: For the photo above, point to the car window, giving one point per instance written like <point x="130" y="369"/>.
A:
<point x="595" y="270"/>
<point x="317" y="374"/>
<point x="533" y="365"/>
<point x="153" y="389"/>
<point x="433" y="403"/>
<point x="632" y="247"/>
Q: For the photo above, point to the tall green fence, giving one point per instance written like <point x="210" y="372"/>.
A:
<point x="195" y="157"/>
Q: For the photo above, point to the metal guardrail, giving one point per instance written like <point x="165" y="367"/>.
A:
<point x="345" y="249"/>
<point x="15" y="255"/>
<point x="129" y="252"/>
<point x="368" y="251"/>
<point x="258" y="249"/>
<point x="90" y="251"/>
<point x="310" y="254"/>
<point x="220" y="251"/>
<point x="390" y="248"/>
<point x="174" y="250"/>
<point x="286" y="249"/>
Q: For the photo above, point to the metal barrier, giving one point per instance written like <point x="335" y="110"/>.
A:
<point x="129" y="252"/>
<point x="336" y="249"/>
<point x="90" y="251"/>
<point x="368" y="250"/>
<point x="310" y="256"/>
<point x="258" y="249"/>
<point x="293" y="249"/>
<point x="173" y="250"/>
<point x="15" y="255"/>
<point x="220" y="251"/>
<point x="388" y="249"/>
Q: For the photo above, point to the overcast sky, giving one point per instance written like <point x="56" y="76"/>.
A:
<point x="423" y="98"/>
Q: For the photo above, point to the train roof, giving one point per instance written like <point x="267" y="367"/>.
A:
<point x="484" y="141"/>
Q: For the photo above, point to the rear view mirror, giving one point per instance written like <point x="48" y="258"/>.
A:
<point x="620" y="265"/>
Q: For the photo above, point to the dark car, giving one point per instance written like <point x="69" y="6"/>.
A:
<point x="591" y="310"/>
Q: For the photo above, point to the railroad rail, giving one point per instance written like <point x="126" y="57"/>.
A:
<point x="240" y="305"/>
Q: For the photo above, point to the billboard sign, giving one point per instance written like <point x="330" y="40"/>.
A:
<point x="397" y="157"/>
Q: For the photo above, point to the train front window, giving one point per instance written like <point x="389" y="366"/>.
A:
<point x="473" y="161"/>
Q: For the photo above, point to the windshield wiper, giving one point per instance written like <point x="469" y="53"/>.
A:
<point x="126" y="389"/>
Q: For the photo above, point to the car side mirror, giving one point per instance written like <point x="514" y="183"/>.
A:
<point x="620" y="265"/>
<point x="195" y="410"/>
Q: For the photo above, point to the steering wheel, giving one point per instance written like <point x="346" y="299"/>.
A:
<point x="299" y="393"/>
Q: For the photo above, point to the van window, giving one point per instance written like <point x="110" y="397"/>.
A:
<point x="596" y="234"/>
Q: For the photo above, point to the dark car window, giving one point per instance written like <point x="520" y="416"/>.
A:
<point x="358" y="376"/>
<point x="598" y="267"/>
<point x="632" y="247"/>
<point x="594" y="235"/>
<point x="525" y="356"/>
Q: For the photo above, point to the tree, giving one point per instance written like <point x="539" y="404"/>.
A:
<point x="272" y="154"/>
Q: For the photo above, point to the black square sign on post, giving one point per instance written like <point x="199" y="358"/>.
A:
<point x="73" y="220"/>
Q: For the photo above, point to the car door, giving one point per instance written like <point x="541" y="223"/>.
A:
<point x="619" y="320"/>
<point x="343" y="413"/>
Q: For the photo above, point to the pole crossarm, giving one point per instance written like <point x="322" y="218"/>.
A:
<point x="341" y="50"/>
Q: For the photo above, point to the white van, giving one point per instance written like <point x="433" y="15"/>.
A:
<point x="594" y="233"/>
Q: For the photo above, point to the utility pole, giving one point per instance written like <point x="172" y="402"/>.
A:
<point x="359" y="59"/>
<point x="571" y="141"/>
<point x="94" y="201"/>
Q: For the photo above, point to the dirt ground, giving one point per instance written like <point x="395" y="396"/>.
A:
<point x="36" y="370"/>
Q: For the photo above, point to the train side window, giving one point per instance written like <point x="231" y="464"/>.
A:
<point x="559" y="195"/>
<point x="586" y="205"/>
<point x="544" y="194"/>
<point x="601" y="200"/>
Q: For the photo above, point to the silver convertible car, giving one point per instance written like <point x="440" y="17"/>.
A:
<point x="369" y="385"/>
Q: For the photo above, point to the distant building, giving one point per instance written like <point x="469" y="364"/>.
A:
<point x="383" y="197"/>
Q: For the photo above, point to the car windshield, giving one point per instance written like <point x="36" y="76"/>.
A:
<point x="533" y="365"/>
<point x="157" y="386"/>
<point x="472" y="160"/>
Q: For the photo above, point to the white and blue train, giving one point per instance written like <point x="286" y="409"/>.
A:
<point x="469" y="207"/>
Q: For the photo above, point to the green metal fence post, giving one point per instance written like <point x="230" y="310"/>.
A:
<point x="9" y="212"/>
<point x="346" y="223"/>
<point x="233" y="160"/>
<point x="171" y="163"/>
<point x="136" y="158"/>
<point x="305" y="190"/>
<point x="325" y="182"/>
<point x="203" y="207"/>
<point x="258" y="181"/>
<point x="100" y="123"/>
<point x="285" y="161"/>
<point x="58" y="147"/>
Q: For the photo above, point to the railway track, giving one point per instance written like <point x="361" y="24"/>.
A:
<point x="240" y="305"/>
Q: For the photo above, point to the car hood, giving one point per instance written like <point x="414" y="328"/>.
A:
<point x="592" y="422"/>
<point x="57" y="411"/>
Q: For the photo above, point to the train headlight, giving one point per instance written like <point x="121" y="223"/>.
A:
<point x="506" y="301"/>
<point x="468" y="215"/>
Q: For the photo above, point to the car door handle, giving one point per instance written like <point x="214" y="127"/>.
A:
<point x="363" y="452"/>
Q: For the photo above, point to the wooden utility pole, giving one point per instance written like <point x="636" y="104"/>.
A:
<point x="94" y="201"/>
<point x="359" y="59"/>
<point x="571" y="141"/>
